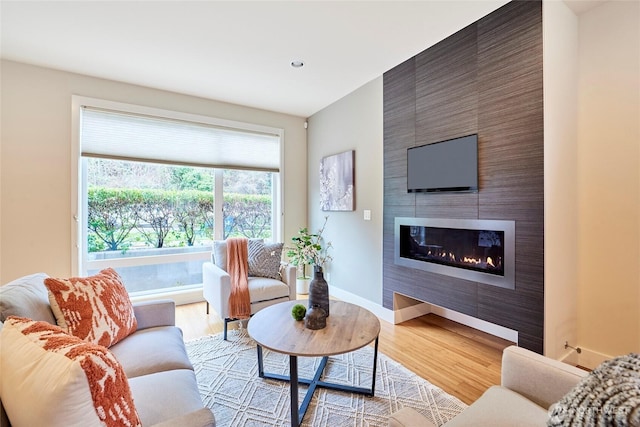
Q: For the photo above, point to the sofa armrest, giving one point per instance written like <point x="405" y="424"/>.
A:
<point x="538" y="378"/>
<point x="150" y="314"/>
<point x="216" y="287"/>
<point x="201" y="418"/>
<point x="289" y="273"/>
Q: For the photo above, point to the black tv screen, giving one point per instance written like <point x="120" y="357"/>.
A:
<point x="450" y="165"/>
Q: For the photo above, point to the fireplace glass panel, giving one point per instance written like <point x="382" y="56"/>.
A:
<point x="477" y="250"/>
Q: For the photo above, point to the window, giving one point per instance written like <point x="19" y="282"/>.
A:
<point x="155" y="188"/>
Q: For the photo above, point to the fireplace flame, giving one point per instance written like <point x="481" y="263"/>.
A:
<point x="478" y="261"/>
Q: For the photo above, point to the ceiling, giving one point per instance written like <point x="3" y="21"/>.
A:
<point x="233" y="51"/>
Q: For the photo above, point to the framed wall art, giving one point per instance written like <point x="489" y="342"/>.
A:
<point x="337" y="188"/>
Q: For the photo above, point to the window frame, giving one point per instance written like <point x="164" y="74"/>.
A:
<point x="79" y="262"/>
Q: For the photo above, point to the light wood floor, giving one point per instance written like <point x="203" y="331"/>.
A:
<point x="462" y="361"/>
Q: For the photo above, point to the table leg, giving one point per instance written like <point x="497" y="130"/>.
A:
<point x="298" y="412"/>
<point x="375" y="364"/>
<point x="293" y="375"/>
<point x="260" y="362"/>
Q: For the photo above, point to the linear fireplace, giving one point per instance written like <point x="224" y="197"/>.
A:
<point x="478" y="250"/>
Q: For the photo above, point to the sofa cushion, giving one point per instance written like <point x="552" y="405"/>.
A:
<point x="152" y="350"/>
<point x="265" y="259"/>
<point x="165" y="395"/>
<point x="501" y="407"/>
<point x="49" y="375"/>
<point x="95" y="308"/>
<point x="26" y="297"/>
<point x="263" y="289"/>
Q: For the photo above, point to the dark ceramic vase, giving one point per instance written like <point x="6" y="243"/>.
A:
<point x="316" y="318"/>
<point x="319" y="290"/>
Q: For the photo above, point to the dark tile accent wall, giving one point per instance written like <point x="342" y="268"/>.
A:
<point x="485" y="79"/>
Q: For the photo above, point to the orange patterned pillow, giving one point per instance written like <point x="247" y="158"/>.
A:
<point x="95" y="308"/>
<point x="50" y="377"/>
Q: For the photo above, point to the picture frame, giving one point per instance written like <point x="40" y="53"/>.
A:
<point x="337" y="182"/>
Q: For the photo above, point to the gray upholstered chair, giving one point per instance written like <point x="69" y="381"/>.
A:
<point x="263" y="291"/>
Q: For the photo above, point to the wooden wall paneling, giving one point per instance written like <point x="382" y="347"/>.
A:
<point x="511" y="159"/>
<point x="444" y="291"/>
<point x="519" y="312"/>
<point x="399" y="95"/>
<point x="529" y="255"/>
<point x="446" y="107"/>
<point x="521" y="309"/>
<point x="399" y="134"/>
<point x="395" y="278"/>
<point x="401" y="279"/>
<point x="447" y="205"/>
<point x="388" y="219"/>
<point x="388" y="224"/>
<point x="395" y="191"/>
<point x="446" y="88"/>
<point x="399" y="88"/>
<point x="531" y="342"/>
<point x="485" y="79"/>
<point x="511" y="170"/>
<point x="510" y="114"/>
<point x="395" y="162"/>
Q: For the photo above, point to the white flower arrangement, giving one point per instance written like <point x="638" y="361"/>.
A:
<point x="307" y="249"/>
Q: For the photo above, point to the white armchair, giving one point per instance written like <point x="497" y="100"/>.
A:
<point x="262" y="291"/>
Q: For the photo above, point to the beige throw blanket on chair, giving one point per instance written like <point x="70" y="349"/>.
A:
<point x="238" y="269"/>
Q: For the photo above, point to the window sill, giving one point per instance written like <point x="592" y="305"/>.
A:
<point x="181" y="296"/>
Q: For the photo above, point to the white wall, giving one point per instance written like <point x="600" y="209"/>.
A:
<point x="609" y="189"/>
<point x="35" y="173"/>
<point x="352" y="123"/>
<point x="560" y="40"/>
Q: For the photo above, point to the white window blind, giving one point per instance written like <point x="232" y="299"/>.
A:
<point x="129" y="136"/>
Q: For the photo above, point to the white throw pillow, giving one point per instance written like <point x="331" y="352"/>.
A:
<point x="219" y="253"/>
<point x="51" y="378"/>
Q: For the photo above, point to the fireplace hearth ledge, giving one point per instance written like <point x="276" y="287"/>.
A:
<point x="421" y="308"/>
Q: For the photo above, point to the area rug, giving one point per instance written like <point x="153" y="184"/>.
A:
<point x="227" y="374"/>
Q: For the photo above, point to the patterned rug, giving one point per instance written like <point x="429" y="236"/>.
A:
<point x="227" y="373"/>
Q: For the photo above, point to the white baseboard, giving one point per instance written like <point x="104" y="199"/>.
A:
<point x="570" y="357"/>
<point x="586" y="358"/>
<point x="591" y="359"/>
<point x="383" y="313"/>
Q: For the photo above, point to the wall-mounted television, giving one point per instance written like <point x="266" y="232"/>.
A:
<point x="450" y="165"/>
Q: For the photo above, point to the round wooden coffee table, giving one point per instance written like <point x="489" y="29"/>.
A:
<point x="349" y="327"/>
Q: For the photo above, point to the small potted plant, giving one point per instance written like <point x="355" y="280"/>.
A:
<point x="307" y="250"/>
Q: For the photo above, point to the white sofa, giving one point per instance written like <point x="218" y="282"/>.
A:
<point x="154" y="358"/>
<point x="530" y="384"/>
<point x="216" y="288"/>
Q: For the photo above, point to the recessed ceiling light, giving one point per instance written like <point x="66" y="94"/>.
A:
<point x="297" y="64"/>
